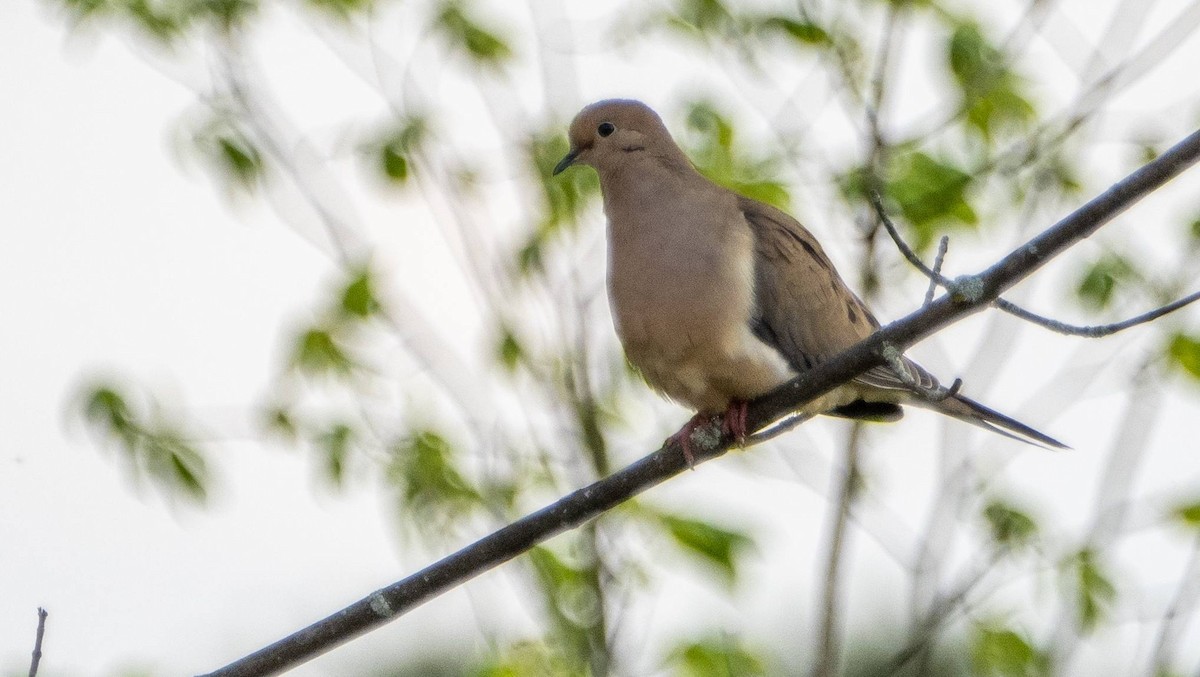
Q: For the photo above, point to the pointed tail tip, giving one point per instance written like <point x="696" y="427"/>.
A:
<point x="996" y="422"/>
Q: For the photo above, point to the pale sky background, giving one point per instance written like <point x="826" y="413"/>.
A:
<point x="118" y="256"/>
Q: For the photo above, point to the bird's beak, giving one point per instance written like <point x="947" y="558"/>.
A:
<point x="567" y="161"/>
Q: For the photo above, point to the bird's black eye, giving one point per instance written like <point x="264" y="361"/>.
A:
<point x="605" y="129"/>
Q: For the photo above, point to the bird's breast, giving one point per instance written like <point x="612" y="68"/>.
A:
<point x="681" y="286"/>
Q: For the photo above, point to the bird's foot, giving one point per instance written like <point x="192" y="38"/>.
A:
<point x="734" y="421"/>
<point x="684" y="437"/>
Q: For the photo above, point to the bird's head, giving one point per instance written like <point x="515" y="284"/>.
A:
<point x="605" y="134"/>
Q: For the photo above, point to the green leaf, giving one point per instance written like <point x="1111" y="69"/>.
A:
<point x="716" y="657"/>
<point x="423" y="469"/>
<point x="713" y="544"/>
<point x="1100" y="280"/>
<point x="154" y="448"/>
<point x="335" y="444"/>
<point x="358" y="299"/>
<point x="484" y="46"/>
<point x="530" y="658"/>
<point x="394" y="164"/>
<point x="711" y="145"/>
<point x="1010" y="527"/>
<point x="990" y="90"/>
<point x="1184" y="351"/>
<point x="278" y="419"/>
<point x="564" y="197"/>
<point x="106" y="408"/>
<point x="704" y="17"/>
<point x="229" y="13"/>
<point x="1189" y="514"/>
<point x="341" y="8"/>
<point x="176" y="464"/>
<point x="1194" y="231"/>
<point x="803" y="32"/>
<point x="318" y="353"/>
<point x="930" y="192"/>
<point x="157" y="19"/>
<point x="509" y="351"/>
<point x="391" y="152"/>
<point x="1094" y="591"/>
<point x="1000" y="652"/>
<point x="241" y="160"/>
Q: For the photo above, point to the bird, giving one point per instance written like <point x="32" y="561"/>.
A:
<point x="718" y="298"/>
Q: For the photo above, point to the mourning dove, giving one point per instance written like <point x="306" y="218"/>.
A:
<point x="718" y="298"/>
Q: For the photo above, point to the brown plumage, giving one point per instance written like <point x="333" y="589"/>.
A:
<point x="718" y="298"/>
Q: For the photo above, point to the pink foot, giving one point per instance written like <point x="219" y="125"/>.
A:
<point x="734" y="423"/>
<point x="684" y="437"/>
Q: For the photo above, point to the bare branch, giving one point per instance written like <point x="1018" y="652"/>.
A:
<point x="937" y="279"/>
<point x="943" y="245"/>
<point x="37" y="642"/>
<point x="973" y="294"/>
<point x="829" y="643"/>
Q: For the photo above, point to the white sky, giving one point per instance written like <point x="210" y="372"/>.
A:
<point x="118" y="259"/>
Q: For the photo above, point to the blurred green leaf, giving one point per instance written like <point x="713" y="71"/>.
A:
<point x="1100" y="280"/>
<point x="423" y="468"/>
<point x="1194" y="231"/>
<point x="335" y="444"/>
<point x="717" y="546"/>
<point x="509" y="351"/>
<point x="341" y="8"/>
<point x="106" y="409"/>
<point x="392" y="150"/>
<point x="1185" y="353"/>
<point x="712" y="147"/>
<point x="931" y="194"/>
<point x="575" y="602"/>
<point x="278" y="419"/>
<point x="990" y="89"/>
<point x="241" y="159"/>
<point x="1189" y="514"/>
<point x="1010" y="527"/>
<point x="803" y="32"/>
<point x="153" y="447"/>
<point x="715" y="657"/>
<point x="83" y="9"/>
<point x="164" y="21"/>
<point x="318" y="353"/>
<point x="229" y="13"/>
<point x="394" y="163"/>
<point x="529" y="659"/>
<point x="704" y="17"/>
<point x="358" y="299"/>
<point x="1094" y="591"/>
<point x="1000" y="652"/>
<point x="565" y="196"/>
<point x="483" y="45"/>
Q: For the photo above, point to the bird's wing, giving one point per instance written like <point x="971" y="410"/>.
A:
<point x="803" y="308"/>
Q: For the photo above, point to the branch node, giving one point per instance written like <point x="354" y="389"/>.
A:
<point x="381" y="606"/>
<point x="966" y="289"/>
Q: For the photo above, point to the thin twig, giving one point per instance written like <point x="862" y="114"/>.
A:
<point x="943" y="245"/>
<point x="37" y="643"/>
<point x="937" y="279"/>
<point x="510" y="541"/>
<point x="829" y="643"/>
<point x="1179" y="611"/>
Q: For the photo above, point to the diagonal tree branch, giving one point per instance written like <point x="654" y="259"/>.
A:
<point x="969" y="295"/>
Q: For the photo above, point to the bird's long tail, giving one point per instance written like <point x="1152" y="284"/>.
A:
<point x="970" y="411"/>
